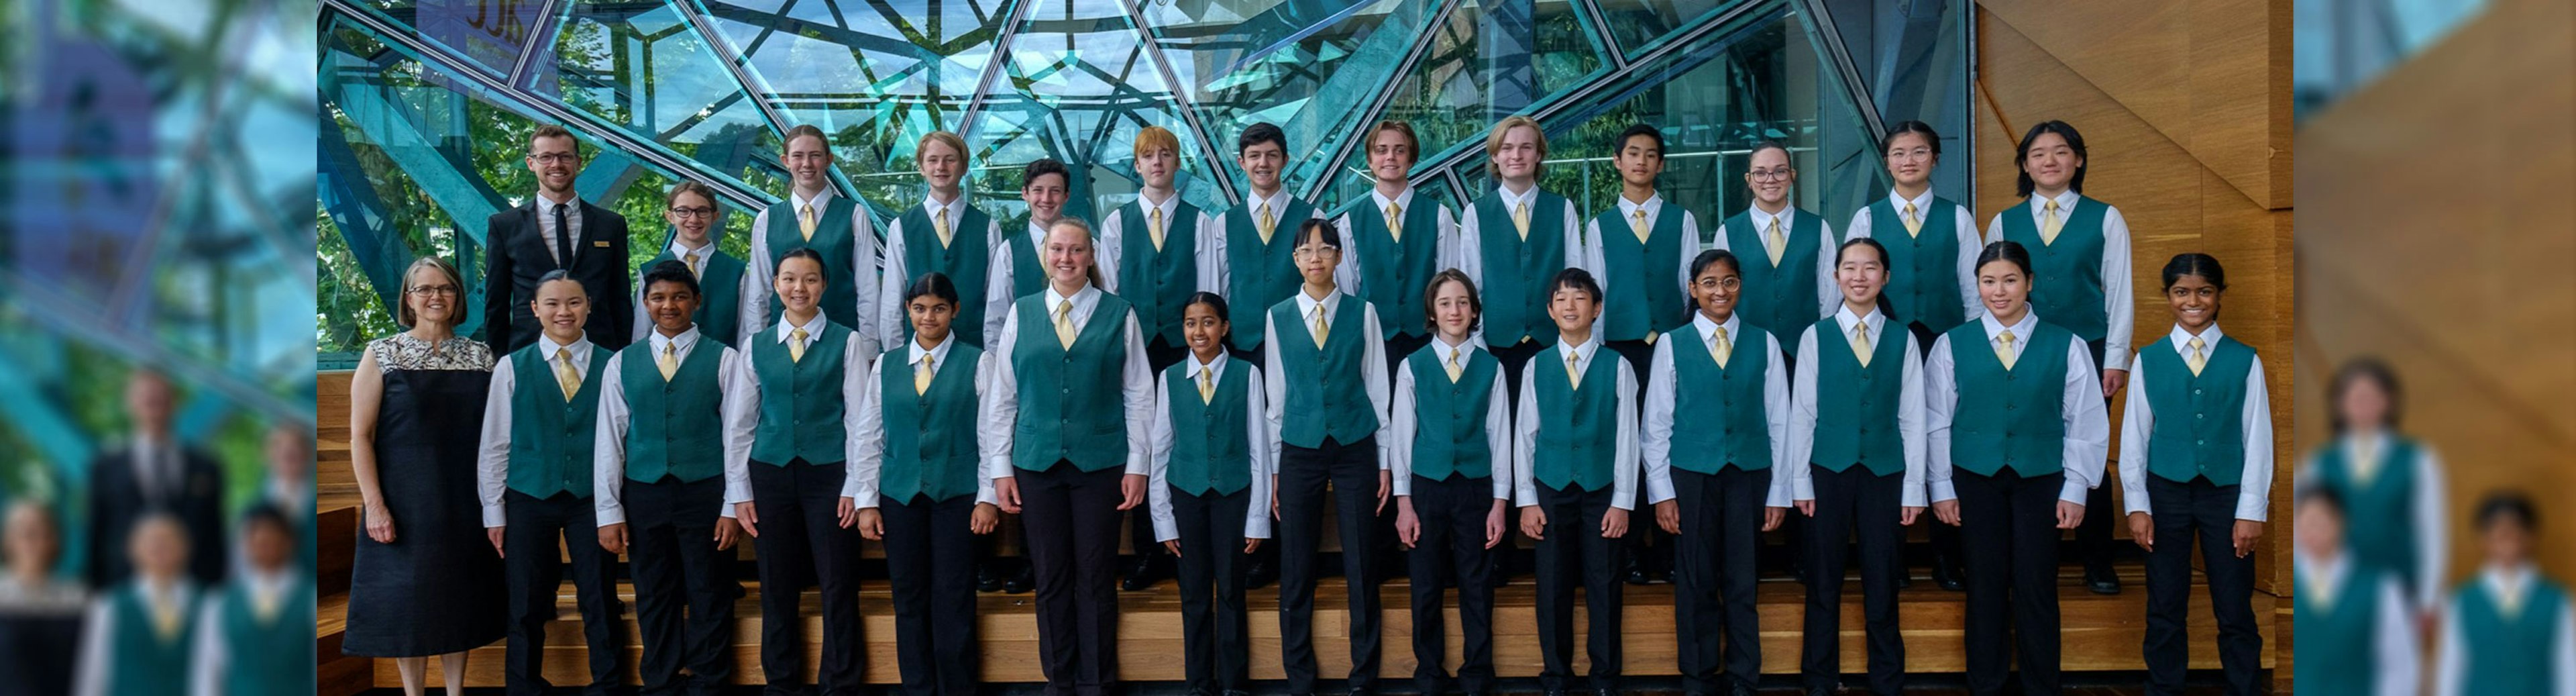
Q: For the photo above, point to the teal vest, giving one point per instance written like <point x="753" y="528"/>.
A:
<point x="800" y="400"/>
<point x="673" y="428"/>
<point x="1856" y="407"/>
<point x="1720" y="418"/>
<point x="1211" y="449"/>
<point x="2068" y="273"/>
<point x="1517" y="271"/>
<point x="841" y="283"/>
<point x="2199" y="430"/>
<point x="1327" y="395"/>
<point x="1028" y="275"/>
<point x="1071" y="403"/>
<point x="2335" y="642"/>
<point x="1923" y="270"/>
<point x="272" y="655"/>
<point x="2009" y="418"/>
<point x="1641" y="282"/>
<point x="930" y="442"/>
<point x="1157" y="282"/>
<point x="2382" y="511"/>
<point x="144" y="663"/>
<point x="966" y="263"/>
<point x="551" y="438"/>
<point x="2509" y="655"/>
<point x="1449" y="417"/>
<point x="1783" y="296"/>
<point x="1259" y="275"/>
<point x="720" y="288"/>
<point x="1578" y="439"/>
<point x="1393" y="274"/>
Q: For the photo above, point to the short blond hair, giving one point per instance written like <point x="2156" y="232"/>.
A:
<point x="1157" y="136"/>
<point x="1494" y="142"/>
<point x="942" y="137"/>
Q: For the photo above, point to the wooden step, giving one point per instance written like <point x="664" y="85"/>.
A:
<point x="2100" y="632"/>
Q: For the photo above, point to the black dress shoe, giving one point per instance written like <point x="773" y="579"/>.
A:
<point x="1261" y="574"/>
<point x="1904" y="580"/>
<point x="1947" y="574"/>
<point x="1148" y="570"/>
<point x="986" y="580"/>
<point x="1022" y="583"/>
<point x="1636" y="572"/>
<point x="2102" y="582"/>
<point x="1743" y="689"/>
<point x="1605" y="692"/>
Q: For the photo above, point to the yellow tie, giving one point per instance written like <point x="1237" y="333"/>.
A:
<point x="165" y="618"/>
<point x="1154" y="226"/>
<point x="1520" y="219"/>
<point x="1573" y="360"/>
<point x="2321" y="590"/>
<point x="1064" y="323"/>
<point x="2049" y="224"/>
<point x="2005" y="352"/>
<point x="2365" y="462"/>
<point x="670" y="361"/>
<point x="692" y="260"/>
<point x="1719" y="347"/>
<point x="2509" y="601"/>
<point x="921" y="375"/>
<point x="1860" y="343"/>
<point x="1395" y="222"/>
<point x="1779" y="242"/>
<point x="1913" y="221"/>
<point x="1637" y="224"/>
<point x="2196" y="360"/>
<point x="265" y="606"/>
<point x="1456" y="366"/>
<point x="796" y="345"/>
<point x="1207" y="387"/>
<point x="1319" y="324"/>
<point x="565" y="376"/>
<point x="805" y="222"/>
<point x="1269" y="225"/>
<point x="939" y="224"/>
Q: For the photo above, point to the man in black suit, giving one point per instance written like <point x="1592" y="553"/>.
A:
<point x="153" y="473"/>
<point x="522" y="244"/>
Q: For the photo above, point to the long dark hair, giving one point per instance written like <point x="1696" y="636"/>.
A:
<point x="1886" y="307"/>
<point x="2022" y="185"/>
<point x="2364" y="368"/>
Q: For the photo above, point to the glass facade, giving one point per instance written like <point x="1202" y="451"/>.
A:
<point x="428" y="102"/>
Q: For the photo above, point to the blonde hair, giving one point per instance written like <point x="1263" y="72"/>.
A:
<point x="1157" y="136"/>
<point x="443" y="268"/>
<point x="1400" y="128"/>
<point x="1494" y="142"/>
<point x="942" y="137"/>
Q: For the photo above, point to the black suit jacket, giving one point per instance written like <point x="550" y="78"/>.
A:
<point x="117" y="499"/>
<point x="517" y="254"/>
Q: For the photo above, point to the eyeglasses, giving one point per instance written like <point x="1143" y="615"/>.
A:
<point x="1312" y="252"/>
<point x="1771" y="174"/>
<point x="556" y="157"/>
<point x="699" y="212"/>
<point x="1729" y="284"/>
<point x="431" y="290"/>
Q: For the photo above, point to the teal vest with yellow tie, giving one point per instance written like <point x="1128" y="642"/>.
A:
<point x="1782" y="296"/>
<point x="966" y="261"/>
<point x="2014" y="417"/>
<point x="1327" y="392"/>
<point x="2382" y="508"/>
<point x="720" y="288"/>
<point x="2066" y="273"/>
<point x="2200" y="424"/>
<point x="1517" y="270"/>
<point x="1071" y="405"/>
<point x="2337" y="640"/>
<point x="1211" y="445"/>
<point x="930" y="436"/>
<point x="1923" y="283"/>
<point x="801" y="406"/>
<point x="1857" y="407"/>
<point x="674" y="428"/>
<point x="271" y="653"/>
<point x="1450" y="417"/>
<point x="1578" y="432"/>
<point x="1721" y="418"/>
<point x="143" y="661"/>
<point x="1641" y="283"/>
<point x="1158" y="281"/>
<point x="1393" y="273"/>
<point x="832" y="240"/>
<point x="2508" y="654"/>
<point x="551" y="437"/>
<point x="1259" y="274"/>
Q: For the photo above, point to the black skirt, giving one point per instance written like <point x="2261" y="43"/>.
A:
<point x="438" y="588"/>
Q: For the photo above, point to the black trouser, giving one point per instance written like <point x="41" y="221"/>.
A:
<point x="802" y="543"/>
<point x="1945" y="538"/>
<point x="1574" y="553"/>
<point x="1072" y="523"/>
<point x="2208" y="511"/>
<point x="1215" y="629"/>
<point x="1452" y="513"/>
<point x="1351" y="470"/>
<point x="930" y="566"/>
<point x="2093" y="535"/>
<point x="1714" y="574"/>
<point x="1855" y="502"/>
<point x="2010" y="523"/>
<point x="672" y="552"/>
<point x="535" y="569"/>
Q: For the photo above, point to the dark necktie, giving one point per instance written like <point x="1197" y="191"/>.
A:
<point x="563" y="239"/>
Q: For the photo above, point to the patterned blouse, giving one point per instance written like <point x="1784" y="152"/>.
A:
<point x="403" y="351"/>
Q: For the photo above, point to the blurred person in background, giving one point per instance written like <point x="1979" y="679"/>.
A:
<point x="2349" y="615"/>
<point x="40" y="614"/>
<point x="139" y="634"/>
<point x="252" y="635"/>
<point x="2509" y="631"/>
<point x="2391" y="484"/>
<point x="290" y="484"/>
<point x="152" y="473"/>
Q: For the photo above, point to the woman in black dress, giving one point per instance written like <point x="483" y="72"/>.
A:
<point x="426" y="581"/>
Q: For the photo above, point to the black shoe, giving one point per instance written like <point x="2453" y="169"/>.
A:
<point x="1904" y="580"/>
<point x="1142" y="576"/>
<point x="1605" y="692"/>
<point x="2102" y="581"/>
<point x="1363" y="691"/>
<point x="1022" y="583"/>
<point x="985" y="579"/>
<point x="1636" y="572"/>
<point x="1233" y="692"/>
<point x="1820" y="691"/>
<point x="1261" y="574"/>
<point x="1743" y="689"/>
<point x="1947" y="574"/>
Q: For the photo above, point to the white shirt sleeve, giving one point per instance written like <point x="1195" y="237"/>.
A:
<point x="1158" y="490"/>
<point x="1448" y="241"/>
<point x="2449" y="661"/>
<point x="1909" y="422"/>
<point x="2393" y="643"/>
<point x="1469" y="258"/>
<point x="867" y="441"/>
<point x="1274" y="383"/>
<point x="1210" y="235"/>
<point x="1525" y="440"/>
<point x="2254" y="492"/>
<point x="492" y="456"/>
<point x="1940" y="404"/>
<point x="2117" y="293"/>
<point x="997" y="288"/>
<point x="1002" y="402"/>
<point x="2137" y="418"/>
<point x="1498" y="437"/>
<point x="1802" y="421"/>
<point x="2562" y="655"/>
<point x="1827" y="295"/>
<point x="984" y="389"/>
<point x="1655" y="429"/>
<point x="1265" y="454"/>
<point x="1347" y="273"/>
<point x="206" y="669"/>
<point x="1775" y="414"/>
<point x="1690" y="249"/>
<point x="1136" y="394"/>
<point x="870" y="338"/>
<point x="731" y="375"/>
<point x="890" y="285"/>
<point x="756" y="275"/>
<point x="90" y="675"/>
<point x="2432" y="557"/>
<point x="742" y="425"/>
<point x="1373" y="373"/>
<point x="608" y="447"/>
<point x="1623" y="479"/>
<point x="2088" y="426"/>
<point x="1401" y="430"/>
<point x="1969" y="246"/>
<point x="858" y="380"/>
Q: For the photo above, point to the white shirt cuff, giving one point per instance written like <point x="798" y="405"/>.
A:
<point x="2075" y="492"/>
<point x="1658" y="490"/>
<point x="1945" y="491"/>
<point x="493" y="517"/>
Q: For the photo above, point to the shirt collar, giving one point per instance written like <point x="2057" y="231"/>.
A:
<point x="1762" y="220"/>
<point x="938" y="353"/>
<point x="1653" y="205"/>
<point x="580" y="348"/>
<point x="2323" y="572"/>
<point x="1278" y="201"/>
<point x="813" y="327"/>
<point x="1403" y="199"/>
<point x="1306" y="303"/>
<point x="1213" y="368"/>
<point x="546" y="206"/>
<point x="2508" y="580"/>
<point x="1145" y="204"/>
<point x="1580" y="351"/>
<point x="1511" y="199"/>
<point x="1465" y="347"/>
<point x="1922" y="203"/>
<point x="2065" y="201"/>
<point x="1081" y="298"/>
<point x="949" y="209"/>
<point x="1844" y="316"/>
<point x="682" y="342"/>
<point x="2021" y="329"/>
<point x="1734" y="326"/>
<point x="680" y="250"/>
<point x="2208" y="338"/>
<point x="819" y="201"/>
